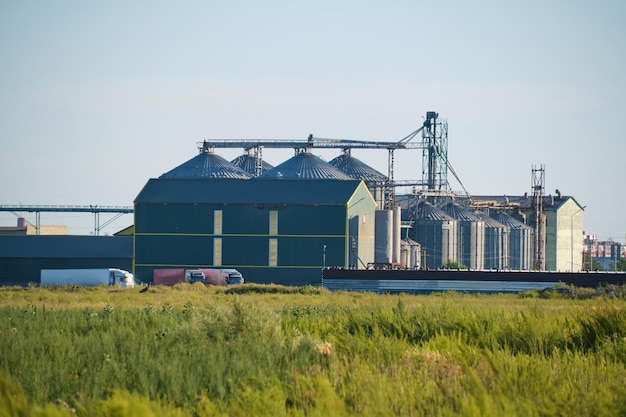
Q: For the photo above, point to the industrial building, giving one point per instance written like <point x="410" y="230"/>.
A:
<point x="285" y="223"/>
<point x="556" y="246"/>
<point x="23" y="257"/>
<point x="282" y="227"/>
<point x="24" y="228"/>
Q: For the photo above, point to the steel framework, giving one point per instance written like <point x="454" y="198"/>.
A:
<point x="96" y="210"/>
<point x="539" y="219"/>
<point x="434" y="143"/>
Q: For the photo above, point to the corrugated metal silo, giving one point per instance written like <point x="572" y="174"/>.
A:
<point x="355" y="168"/>
<point x="436" y="232"/>
<point x="248" y="163"/>
<point x="496" y="243"/>
<point x="207" y="165"/>
<point x="397" y="234"/>
<point x="383" y="237"/>
<point x="471" y="238"/>
<point x="520" y="241"/>
<point x="410" y="254"/>
<point x="305" y="166"/>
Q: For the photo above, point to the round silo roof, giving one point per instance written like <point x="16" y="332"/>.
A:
<point x="490" y="222"/>
<point x="357" y="169"/>
<point x="248" y="163"/>
<point x="509" y="221"/>
<point x="426" y="211"/>
<point x="306" y="166"/>
<point x="206" y="165"/>
<point x="461" y="213"/>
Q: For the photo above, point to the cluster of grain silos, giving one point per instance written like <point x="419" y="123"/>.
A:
<point x="435" y="235"/>
<point x="450" y="233"/>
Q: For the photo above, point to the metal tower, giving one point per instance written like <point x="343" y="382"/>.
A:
<point x="539" y="218"/>
<point x="435" y="153"/>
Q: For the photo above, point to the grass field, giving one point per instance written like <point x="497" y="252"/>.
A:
<point x="252" y="350"/>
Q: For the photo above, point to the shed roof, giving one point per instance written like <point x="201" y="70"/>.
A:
<point x="236" y="191"/>
<point x="206" y="165"/>
<point x="525" y="202"/>
<point x="306" y="166"/>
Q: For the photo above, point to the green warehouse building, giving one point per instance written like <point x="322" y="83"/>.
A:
<point x="273" y="229"/>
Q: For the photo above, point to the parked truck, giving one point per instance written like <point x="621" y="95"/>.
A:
<point x="194" y="275"/>
<point x="87" y="277"/>
<point x="173" y="276"/>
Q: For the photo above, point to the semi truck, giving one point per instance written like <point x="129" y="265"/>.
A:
<point x="88" y="277"/>
<point x="210" y="276"/>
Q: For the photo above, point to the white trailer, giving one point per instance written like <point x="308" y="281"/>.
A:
<point x="87" y="277"/>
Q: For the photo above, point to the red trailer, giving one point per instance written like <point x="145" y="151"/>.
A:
<point x="173" y="276"/>
<point x="169" y="276"/>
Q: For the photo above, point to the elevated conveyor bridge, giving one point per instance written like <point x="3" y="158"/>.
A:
<point x="117" y="212"/>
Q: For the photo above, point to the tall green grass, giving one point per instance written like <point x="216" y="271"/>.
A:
<point x="276" y="351"/>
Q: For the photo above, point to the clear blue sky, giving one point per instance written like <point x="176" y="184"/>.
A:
<point x="98" y="97"/>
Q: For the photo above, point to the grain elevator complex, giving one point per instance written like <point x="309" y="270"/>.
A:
<point x="284" y="224"/>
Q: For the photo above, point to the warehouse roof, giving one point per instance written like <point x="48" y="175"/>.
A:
<point x="550" y="202"/>
<point x="234" y="191"/>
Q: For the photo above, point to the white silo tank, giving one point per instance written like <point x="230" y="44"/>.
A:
<point x="383" y="239"/>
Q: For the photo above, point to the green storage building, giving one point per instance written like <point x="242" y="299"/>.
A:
<point x="280" y="231"/>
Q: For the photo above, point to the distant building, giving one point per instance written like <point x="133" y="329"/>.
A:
<point x="23" y="228"/>
<point x="561" y="220"/>
<point x="23" y="257"/>
<point x="605" y="252"/>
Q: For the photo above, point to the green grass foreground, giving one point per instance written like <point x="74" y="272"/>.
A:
<point x="252" y="350"/>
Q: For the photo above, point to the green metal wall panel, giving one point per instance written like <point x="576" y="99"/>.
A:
<point x="309" y="251"/>
<point x="244" y="219"/>
<point x="173" y="249"/>
<point x="192" y="251"/>
<point x="245" y="250"/>
<point x="173" y="218"/>
<point x="311" y="220"/>
<point x="238" y="219"/>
